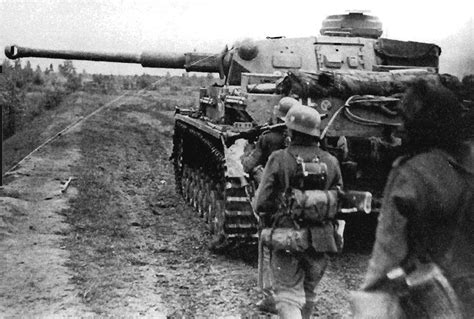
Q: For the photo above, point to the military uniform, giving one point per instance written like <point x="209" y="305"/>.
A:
<point x="428" y="198"/>
<point x="297" y="275"/>
<point x="267" y="143"/>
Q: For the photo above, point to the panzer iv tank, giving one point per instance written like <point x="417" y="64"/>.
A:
<point x="349" y="74"/>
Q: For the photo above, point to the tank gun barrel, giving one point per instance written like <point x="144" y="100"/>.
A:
<point x="197" y="62"/>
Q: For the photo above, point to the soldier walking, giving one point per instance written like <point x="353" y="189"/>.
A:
<point x="296" y="274"/>
<point x="427" y="214"/>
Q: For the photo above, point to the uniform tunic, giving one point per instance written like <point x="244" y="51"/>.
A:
<point x="426" y="198"/>
<point x="267" y="143"/>
<point x="297" y="275"/>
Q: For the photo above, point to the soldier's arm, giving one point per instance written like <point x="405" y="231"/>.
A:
<point x="402" y="200"/>
<point x="269" y="188"/>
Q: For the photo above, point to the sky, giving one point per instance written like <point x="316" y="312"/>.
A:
<point x="134" y="26"/>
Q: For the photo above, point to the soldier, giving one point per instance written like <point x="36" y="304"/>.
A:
<point x="268" y="142"/>
<point x="296" y="275"/>
<point x="427" y="210"/>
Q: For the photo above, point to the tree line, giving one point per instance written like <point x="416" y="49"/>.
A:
<point x="26" y="91"/>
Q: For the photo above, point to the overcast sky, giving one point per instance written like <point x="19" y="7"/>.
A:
<point x="205" y="25"/>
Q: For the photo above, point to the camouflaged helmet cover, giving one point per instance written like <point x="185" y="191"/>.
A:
<point x="304" y="119"/>
<point x="282" y="108"/>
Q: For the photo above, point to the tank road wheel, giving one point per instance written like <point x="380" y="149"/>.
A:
<point x="203" y="196"/>
<point x="205" y="200"/>
<point x="219" y="219"/>
<point x="199" y="196"/>
<point x="211" y="209"/>
<point x="184" y="185"/>
<point x="205" y="206"/>
<point x="194" y="192"/>
<point x="185" y="182"/>
<point x="190" y="188"/>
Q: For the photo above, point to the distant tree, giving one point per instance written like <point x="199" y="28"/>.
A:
<point x="7" y="67"/>
<point x="17" y="65"/>
<point x="38" y="76"/>
<point x="17" y="74"/>
<point x="67" y="68"/>
<point x="28" y="73"/>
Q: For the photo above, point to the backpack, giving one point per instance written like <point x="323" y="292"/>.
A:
<point x="307" y="201"/>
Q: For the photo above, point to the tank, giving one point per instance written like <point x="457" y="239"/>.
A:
<point x="348" y="73"/>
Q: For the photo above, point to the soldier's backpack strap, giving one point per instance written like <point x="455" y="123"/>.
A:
<point x="311" y="173"/>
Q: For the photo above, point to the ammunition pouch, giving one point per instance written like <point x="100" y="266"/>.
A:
<point x="288" y="239"/>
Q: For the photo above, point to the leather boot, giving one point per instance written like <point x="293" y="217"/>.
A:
<point x="307" y="310"/>
<point x="288" y="311"/>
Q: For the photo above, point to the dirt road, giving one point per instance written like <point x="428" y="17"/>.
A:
<point x="118" y="242"/>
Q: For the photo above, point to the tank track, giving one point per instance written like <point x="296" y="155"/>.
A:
<point x="200" y="166"/>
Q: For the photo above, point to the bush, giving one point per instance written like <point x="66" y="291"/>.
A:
<point x="52" y="99"/>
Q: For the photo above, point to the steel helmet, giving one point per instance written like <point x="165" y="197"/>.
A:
<point x="284" y="106"/>
<point x="304" y="119"/>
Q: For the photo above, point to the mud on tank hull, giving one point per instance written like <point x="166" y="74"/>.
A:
<point x="206" y="180"/>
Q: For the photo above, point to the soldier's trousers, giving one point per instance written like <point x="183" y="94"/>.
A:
<point x="296" y="276"/>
